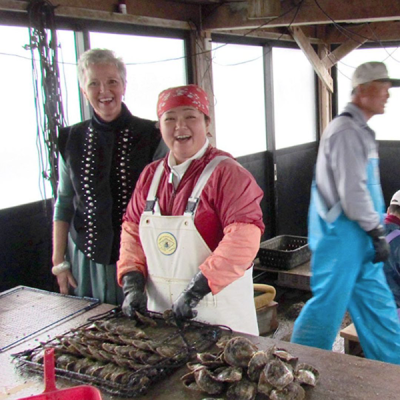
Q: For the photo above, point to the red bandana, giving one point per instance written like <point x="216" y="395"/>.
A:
<point x="190" y="95"/>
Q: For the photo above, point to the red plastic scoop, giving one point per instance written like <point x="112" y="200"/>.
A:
<point x="85" y="392"/>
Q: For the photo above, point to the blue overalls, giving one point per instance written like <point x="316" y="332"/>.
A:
<point x="344" y="278"/>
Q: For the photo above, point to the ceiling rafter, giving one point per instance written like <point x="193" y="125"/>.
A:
<point x="309" y="12"/>
<point x="319" y="67"/>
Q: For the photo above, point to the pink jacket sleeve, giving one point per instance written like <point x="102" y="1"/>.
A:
<point x="131" y="255"/>
<point x="233" y="256"/>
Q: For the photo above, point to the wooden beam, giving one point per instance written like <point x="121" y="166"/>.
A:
<point x="202" y="65"/>
<point x="329" y="60"/>
<point x="99" y="15"/>
<point x="312" y="56"/>
<point x="13" y="5"/>
<point x="309" y="12"/>
<point x="269" y="34"/>
<point x="355" y="38"/>
<point x="374" y="32"/>
<point x="324" y="97"/>
<point x="82" y="13"/>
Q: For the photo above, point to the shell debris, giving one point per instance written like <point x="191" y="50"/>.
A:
<point x="243" y="370"/>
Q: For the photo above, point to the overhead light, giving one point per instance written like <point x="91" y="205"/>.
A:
<point x="263" y="9"/>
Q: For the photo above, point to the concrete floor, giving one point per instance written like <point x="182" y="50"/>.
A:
<point x="290" y="302"/>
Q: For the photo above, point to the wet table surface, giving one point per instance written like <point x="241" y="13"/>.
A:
<point x="341" y="376"/>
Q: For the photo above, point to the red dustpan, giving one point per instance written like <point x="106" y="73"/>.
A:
<point x="84" y="392"/>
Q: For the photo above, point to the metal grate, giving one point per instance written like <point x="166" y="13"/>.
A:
<point x="25" y="311"/>
<point x="123" y="363"/>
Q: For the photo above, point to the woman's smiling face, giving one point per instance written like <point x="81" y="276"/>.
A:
<point x="184" y="130"/>
<point x="104" y="90"/>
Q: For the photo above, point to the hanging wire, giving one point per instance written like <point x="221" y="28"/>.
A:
<point x="353" y="35"/>
<point x="48" y="101"/>
<point x="269" y="49"/>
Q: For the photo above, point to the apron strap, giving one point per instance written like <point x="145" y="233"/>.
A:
<point x="392" y="235"/>
<point x="193" y="201"/>
<point x="151" y="201"/>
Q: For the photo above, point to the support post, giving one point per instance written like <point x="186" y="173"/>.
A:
<point x="202" y="68"/>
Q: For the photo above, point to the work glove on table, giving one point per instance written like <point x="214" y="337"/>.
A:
<point x="382" y="248"/>
<point x="190" y="297"/>
<point x="135" y="297"/>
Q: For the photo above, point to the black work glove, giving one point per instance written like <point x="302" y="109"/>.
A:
<point x="135" y="297"/>
<point x="382" y="249"/>
<point x="190" y="297"/>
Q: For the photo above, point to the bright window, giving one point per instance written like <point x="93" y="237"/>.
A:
<point x="20" y="169"/>
<point x="294" y="98"/>
<point x="386" y="126"/>
<point x="153" y="64"/>
<point x="238" y="80"/>
<point x="68" y="77"/>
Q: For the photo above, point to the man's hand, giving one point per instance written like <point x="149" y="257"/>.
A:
<point x="382" y="249"/>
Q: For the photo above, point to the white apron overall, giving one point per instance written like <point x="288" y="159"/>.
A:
<point x="174" y="251"/>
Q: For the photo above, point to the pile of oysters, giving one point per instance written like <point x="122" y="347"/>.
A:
<point x="240" y="370"/>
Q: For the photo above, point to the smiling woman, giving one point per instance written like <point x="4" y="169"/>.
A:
<point x="104" y="88"/>
<point x="193" y="225"/>
<point x="100" y="162"/>
<point x="184" y="131"/>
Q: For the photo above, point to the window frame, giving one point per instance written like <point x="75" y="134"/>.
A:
<point x="268" y="82"/>
<point x="81" y="29"/>
<point x="335" y="75"/>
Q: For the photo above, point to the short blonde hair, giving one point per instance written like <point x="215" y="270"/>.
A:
<point x="99" y="56"/>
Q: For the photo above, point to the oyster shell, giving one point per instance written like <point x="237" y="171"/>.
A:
<point x="38" y="357"/>
<point x="189" y="381"/>
<point x="192" y="386"/>
<point x="146" y="321"/>
<point x="122" y="326"/>
<point x="222" y="341"/>
<point x="256" y="365"/>
<point x="146" y="345"/>
<point x="124" y="351"/>
<point x="210" y="360"/>
<point x="264" y="386"/>
<point x="227" y="374"/>
<point x="206" y="383"/>
<point x="293" y="391"/>
<point x="193" y="365"/>
<point x="204" y="357"/>
<point x="278" y="374"/>
<point x="126" y="362"/>
<point x="66" y="361"/>
<point x="286" y="356"/>
<point x="168" y="350"/>
<point x="306" y="374"/>
<point x="135" y="333"/>
<point x="238" y="351"/>
<point x="242" y="390"/>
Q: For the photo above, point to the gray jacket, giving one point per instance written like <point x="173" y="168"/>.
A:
<point x="341" y="171"/>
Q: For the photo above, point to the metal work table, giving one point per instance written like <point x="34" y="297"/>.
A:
<point x="341" y="376"/>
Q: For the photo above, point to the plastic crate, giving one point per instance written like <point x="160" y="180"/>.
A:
<point x="284" y="252"/>
<point x="293" y="281"/>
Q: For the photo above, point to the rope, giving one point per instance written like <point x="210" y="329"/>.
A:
<point x="48" y="103"/>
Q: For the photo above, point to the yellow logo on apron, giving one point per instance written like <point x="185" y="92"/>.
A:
<point x="166" y="243"/>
